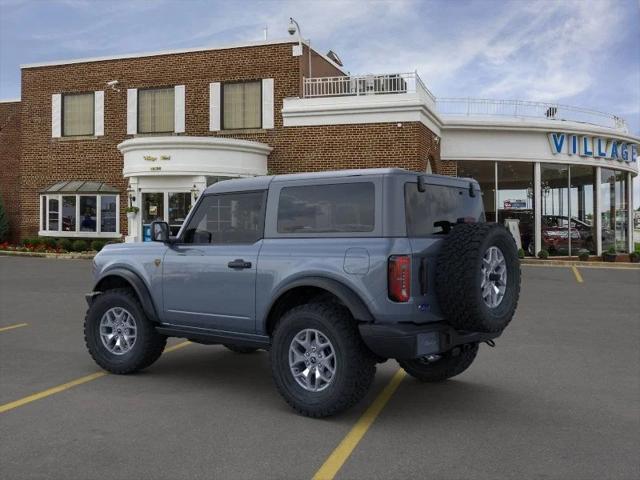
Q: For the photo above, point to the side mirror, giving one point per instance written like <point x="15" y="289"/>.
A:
<point x="160" y="232"/>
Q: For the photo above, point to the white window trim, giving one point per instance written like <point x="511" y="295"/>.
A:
<point x="56" y="115"/>
<point x="132" y="111"/>
<point x="215" y="112"/>
<point x="179" y="109"/>
<point x="268" y="109"/>
<point x="98" y="113"/>
<point x="78" y="234"/>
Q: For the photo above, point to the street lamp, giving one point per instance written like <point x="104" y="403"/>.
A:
<point x="293" y="28"/>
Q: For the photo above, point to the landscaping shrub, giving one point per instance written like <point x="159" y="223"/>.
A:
<point x="97" y="245"/>
<point x="79" y="246"/>
<point x="4" y="223"/>
<point x="634" y="257"/>
<point x="583" y="255"/>
<point x="543" y="254"/>
<point x="521" y="253"/>
<point x="65" y="244"/>
<point x="48" y="242"/>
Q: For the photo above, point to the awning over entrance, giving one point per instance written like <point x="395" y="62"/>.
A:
<point x="80" y="186"/>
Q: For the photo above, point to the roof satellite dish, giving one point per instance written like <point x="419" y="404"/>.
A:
<point x="334" y="57"/>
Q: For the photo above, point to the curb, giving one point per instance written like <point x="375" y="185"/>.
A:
<point x="61" y="256"/>
<point x="570" y="263"/>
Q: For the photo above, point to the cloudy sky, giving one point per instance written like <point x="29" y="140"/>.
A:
<point x="579" y="52"/>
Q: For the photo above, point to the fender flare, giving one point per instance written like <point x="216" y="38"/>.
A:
<point x="138" y="285"/>
<point x="351" y="300"/>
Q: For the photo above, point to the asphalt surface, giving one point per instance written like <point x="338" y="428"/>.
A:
<point x="558" y="398"/>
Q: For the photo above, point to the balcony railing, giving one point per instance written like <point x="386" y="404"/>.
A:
<point x="520" y="108"/>
<point x="399" y="83"/>
<point x="356" y="85"/>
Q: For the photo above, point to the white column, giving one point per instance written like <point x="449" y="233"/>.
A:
<point x="630" y="213"/>
<point x="598" y="211"/>
<point x="133" y="225"/>
<point x="537" y="208"/>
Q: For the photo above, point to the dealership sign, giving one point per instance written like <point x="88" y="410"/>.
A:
<point x="597" y="147"/>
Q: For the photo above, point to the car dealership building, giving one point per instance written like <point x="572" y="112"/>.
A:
<point x="90" y="138"/>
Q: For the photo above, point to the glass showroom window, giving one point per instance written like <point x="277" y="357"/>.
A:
<point x="555" y="208"/>
<point x="242" y="105"/>
<point x="582" y="208"/>
<point x="79" y="216"/>
<point x="515" y="201"/>
<point x="484" y="173"/>
<point x="156" y="110"/>
<point x="614" y="210"/>
<point x="77" y="114"/>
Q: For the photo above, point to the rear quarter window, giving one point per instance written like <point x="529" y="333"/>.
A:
<point x="426" y="210"/>
<point x="337" y="208"/>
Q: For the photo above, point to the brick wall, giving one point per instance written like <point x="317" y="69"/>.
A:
<point x="10" y="163"/>
<point x="295" y="149"/>
<point x="47" y="160"/>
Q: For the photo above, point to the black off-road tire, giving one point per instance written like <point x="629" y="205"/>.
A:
<point x="355" y="365"/>
<point x="451" y="364"/>
<point x="148" y="346"/>
<point x="240" y="349"/>
<point x="459" y="277"/>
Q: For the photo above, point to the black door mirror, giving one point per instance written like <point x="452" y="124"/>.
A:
<point x="160" y="232"/>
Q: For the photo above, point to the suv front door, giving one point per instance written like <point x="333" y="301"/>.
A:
<point x="209" y="275"/>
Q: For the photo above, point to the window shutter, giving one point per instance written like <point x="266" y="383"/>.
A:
<point x="132" y="111"/>
<point x="267" y="103"/>
<point x="56" y="115"/>
<point x="214" y="106"/>
<point x="98" y="111"/>
<point x="178" y="110"/>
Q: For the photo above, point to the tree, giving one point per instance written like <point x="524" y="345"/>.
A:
<point x="4" y="223"/>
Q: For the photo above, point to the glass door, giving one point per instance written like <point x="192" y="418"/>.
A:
<point x="152" y="211"/>
<point x="170" y="207"/>
<point x="555" y="209"/>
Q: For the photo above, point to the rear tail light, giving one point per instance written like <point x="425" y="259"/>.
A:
<point x="399" y="278"/>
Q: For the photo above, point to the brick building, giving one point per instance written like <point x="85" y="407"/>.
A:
<point x="91" y="137"/>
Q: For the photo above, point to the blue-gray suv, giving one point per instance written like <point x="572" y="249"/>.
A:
<point x="331" y="272"/>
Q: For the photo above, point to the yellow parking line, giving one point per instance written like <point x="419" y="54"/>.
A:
<point x="65" y="386"/>
<point x="177" y="347"/>
<point x="339" y="456"/>
<point x="11" y="327"/>
<point x="577" y="274"/>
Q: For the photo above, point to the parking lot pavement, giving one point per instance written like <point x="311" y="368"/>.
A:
<point x="557" y="398"/>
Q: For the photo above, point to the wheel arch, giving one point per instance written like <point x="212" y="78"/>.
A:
<point x="123" y="278"/>
<point x="302" y="290"/>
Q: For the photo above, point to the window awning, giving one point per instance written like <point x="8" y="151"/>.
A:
<point x="80" y="186"/>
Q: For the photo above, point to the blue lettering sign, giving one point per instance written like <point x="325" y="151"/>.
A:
<point x="634" y="153"/>
<point x="613" y="154"/>
<point x="557" y="142"/>
<point x="586" y="148"/>
<point x="601" y="150"/>
<point x="624" y="152"/>
<point x="573" y="146"/>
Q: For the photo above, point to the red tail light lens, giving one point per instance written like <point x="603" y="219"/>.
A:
<point x="399" y="278"/>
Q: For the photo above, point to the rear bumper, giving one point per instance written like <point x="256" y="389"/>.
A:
<point x="407" y="340"/>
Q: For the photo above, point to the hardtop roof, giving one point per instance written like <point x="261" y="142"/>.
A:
<point x="263" y="182"/>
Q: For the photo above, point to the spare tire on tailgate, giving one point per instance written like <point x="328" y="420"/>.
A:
<point x="478" y="277"/>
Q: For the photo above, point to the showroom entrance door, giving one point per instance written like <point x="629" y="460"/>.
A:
<point x="170" y="207"/>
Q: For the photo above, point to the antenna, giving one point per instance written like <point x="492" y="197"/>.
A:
<point x="266" y="32"/>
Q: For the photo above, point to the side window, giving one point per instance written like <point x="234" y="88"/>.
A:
<point x="227" y="219"/>
<point x="343" y="207"/>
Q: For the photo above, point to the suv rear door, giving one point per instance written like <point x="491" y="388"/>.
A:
<point x="209" y="275"/>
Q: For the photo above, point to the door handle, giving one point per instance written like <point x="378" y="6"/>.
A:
<point x="239" y="264"/>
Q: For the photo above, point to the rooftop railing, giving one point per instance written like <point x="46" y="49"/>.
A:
<point x="356" y="85"/>
<point x="478" y="107"/>
<point x="399" y="83"/>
